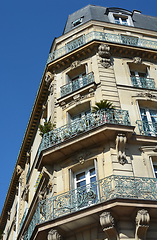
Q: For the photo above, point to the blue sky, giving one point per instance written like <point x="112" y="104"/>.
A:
<point x="27" y="29"/>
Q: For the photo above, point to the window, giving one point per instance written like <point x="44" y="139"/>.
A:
<point x="80" y="115"/>
<point x="155" y="169"/>
<point x="140" y="76"/>
<point x="86" y="188"/>
<point x="121" y="20"/>
<point x="149" y="121"/>
<point x="77" y="21"/>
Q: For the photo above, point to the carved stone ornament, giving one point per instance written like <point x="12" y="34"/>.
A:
<point x="120" y="147"/>
<point x="147" y="95"/>
<point x="49" y="77"/>
<point x="53" y="235"/>
<point x="142" y="224"/>
<point x="9" y="213"/>
<point x="14" y="223"/>
<point x="104" y="54"/>
<point x="19" y="170"/>
<point x="75" y="64"/>
<point x="25" y="193"/>
<point x="107" y="223"/>
<point x="81" y="156"/>
<point x="137" y="60"/>
<point x="50" y="184"/>
<point x="51" y="88"/>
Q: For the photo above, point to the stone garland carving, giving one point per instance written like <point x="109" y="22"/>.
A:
<point x="108" y="225"/>
<point x="120" y="147"/>
<point x="53" y="235"/>
<point x="142" y="224"/>
<point x="104" y="54"/>
<point x="137" y="60"/>
<point x="49" y="77"/>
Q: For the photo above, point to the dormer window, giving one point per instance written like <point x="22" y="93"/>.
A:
<point x="120" y="16"/>
<point x="77" y="22"/>
<point x="121" y="20"/>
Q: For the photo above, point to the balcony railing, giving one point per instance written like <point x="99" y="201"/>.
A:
<point x="143" y="82"/>
<point x="106" y="37"/>
<point x="89" y="122"/>
<point x="112" y="187"/>
<point x="77" y="84"/>
<point x="147" y="128"/>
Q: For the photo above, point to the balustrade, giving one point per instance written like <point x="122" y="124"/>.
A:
<point x="89" y="122"/>
<point x="143" y="82"/>
<point x="106" y="37"/>
<point x="112" y="187"/>
<point x="77" y="84"/>
<point x="147" y="128"/>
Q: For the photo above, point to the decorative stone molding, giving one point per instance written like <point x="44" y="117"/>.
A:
<point x="25" y="193"/>
<point x="48" y="77"/>
<point x="65" y="105"/>
<point x="75" y="64"/>
<point x="120" y="147"/>
<point x="19" y="170"/>
<point x="142" y="224"/>
<point x="104" y="54"/>
<point x="137" y="60"/>
<point x="77" y="97"/>
<point x="42" y="194"/>
<point x="53" y="235"/>
<point x="147" y="95"/>
<point x="108" y="225"/>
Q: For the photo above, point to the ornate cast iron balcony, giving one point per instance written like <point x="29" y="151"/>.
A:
<point x="143" y="82"/>
<point x="147" y="128"/>
<point x="89" y="122"/>
<point x="106" y="37"/>
<point x="111" y="187"/>
<point x="77" y="84"/>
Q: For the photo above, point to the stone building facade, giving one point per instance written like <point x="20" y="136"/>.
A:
<point x="94" y="175"/>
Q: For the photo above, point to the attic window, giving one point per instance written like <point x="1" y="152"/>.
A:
<point x="77" y="22"/>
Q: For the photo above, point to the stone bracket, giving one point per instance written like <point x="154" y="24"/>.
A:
<point x="142" y="224"/>
<point x="107" y="222"/>
<point x="120" y="147"/>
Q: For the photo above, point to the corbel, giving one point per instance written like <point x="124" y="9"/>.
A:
<point x="120" y="147"/>
<point x="108" y="225"/>
<point x="53" y="235"/>
<point x="142" y="224"/>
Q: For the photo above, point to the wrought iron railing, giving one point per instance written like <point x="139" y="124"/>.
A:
<point x="77" y="84"/>
<point x="147" y="128"/>
<point x="112" y="187"/>
<point x="89" y="122"/>
<point x="106" y="37"/>
<point x="143" y="82"/>
<point x="23" y="219"/>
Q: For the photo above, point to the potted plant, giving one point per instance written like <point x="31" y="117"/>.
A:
<point x="46" y="128"/>
<point x="103" y="105"/>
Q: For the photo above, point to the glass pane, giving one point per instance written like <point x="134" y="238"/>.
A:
<point x="143" y="114"/>
<point x="153" y="114"/>
<point x="93" y="179"/>
<point x="80" y="176"/>
<point x="92" y="171"/>
<point x="82" y="183"/>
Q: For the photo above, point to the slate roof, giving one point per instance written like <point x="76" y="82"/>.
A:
<point x="92" y="12"/>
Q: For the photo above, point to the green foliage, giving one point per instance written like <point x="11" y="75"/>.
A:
<point x="103" y="104"/>
<point x="47" y="127"/>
